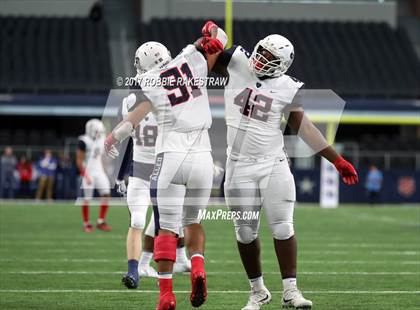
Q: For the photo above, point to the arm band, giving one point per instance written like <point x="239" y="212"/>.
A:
<point x="123" y="131"/>
<point x="222" y="36"/>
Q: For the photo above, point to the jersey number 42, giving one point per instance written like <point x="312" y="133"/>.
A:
<point x="253" y="106"/>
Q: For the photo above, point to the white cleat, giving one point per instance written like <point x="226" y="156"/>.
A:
<point x="147" y="272"/>
<point x="182" y="267"/>
<point x="293" y="298"/>
<point x="258" y="299"/>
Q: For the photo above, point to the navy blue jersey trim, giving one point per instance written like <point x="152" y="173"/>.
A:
<point x="81" y="145"/>
<point x="126" y="160"/>
<point x="224" y="58"/>
<point x="154" y="188"/>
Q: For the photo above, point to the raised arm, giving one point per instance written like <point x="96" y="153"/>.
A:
<point x="212" y="43"/>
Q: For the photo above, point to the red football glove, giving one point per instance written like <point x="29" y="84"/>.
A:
<point x="346" y="170"/>
<point x="206" y="31"/>
<point x="211" y="45"/>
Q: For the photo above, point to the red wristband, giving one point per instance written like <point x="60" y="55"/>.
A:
<point x="338" y="160"/>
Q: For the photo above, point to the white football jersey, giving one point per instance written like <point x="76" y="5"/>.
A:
<point x="254" y="109"/>
<point x="93" y="153"/>
<point x="182" y="109"/>
<point x="144" y="136"/>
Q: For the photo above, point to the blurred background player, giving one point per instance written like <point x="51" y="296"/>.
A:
<point x="46" y="166"/>
<point x="89" y="162"/>
<point x="8" y="163"/>
<point x="183" y="165"/>
<point x="142" y="147"/>
<point x="258" y="176"/>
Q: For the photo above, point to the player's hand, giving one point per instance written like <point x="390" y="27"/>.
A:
<point x="211" y="45"/>
<point x="217" y="171"/>
<point x="110" y="148"/>
<point x="121" y="187"/>
<point x="346" y="171"/>
<point x="87" y="179"/>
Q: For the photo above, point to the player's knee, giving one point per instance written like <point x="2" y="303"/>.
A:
<point x="138" y="220"/>
<point x="189" y="221"/>
<point x="246" y="234"/>
<point x="282" y="231"/>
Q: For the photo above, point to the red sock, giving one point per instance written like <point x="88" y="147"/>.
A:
<point x="197" y="262"/>
<point x="85" y="213"/>
<point x="165" y="285"/>
<point x="102" y="212"/>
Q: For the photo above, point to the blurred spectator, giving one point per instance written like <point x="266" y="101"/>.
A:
<point x="24" y="168"/>
<point x="64" y="178"/>
<point x="7" y="167"/>
<point x="374" y="184"/>
<point x="47" y="167"/>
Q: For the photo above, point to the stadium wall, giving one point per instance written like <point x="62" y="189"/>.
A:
<point x="272" y="10"/>
<point x="399" y="186"/>
<point x="369" y="11"/>
<point x="79" y="8"/>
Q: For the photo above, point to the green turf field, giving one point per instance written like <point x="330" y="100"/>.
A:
<point x="349" y="258"/>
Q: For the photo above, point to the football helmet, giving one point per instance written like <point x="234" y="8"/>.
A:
<point x="95" y="128"/>
<point x="151" y="55"/>
<point x="282" y="51"/>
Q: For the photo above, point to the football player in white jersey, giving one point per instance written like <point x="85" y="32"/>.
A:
<point x="258" y="94"/>
<point x="89" y="162"/>
<point x="183" y="173"/>
<point x="142" y="148"/>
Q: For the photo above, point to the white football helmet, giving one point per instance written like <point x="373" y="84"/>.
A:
<point x="95" y="128"/>
<point x="282" y="50"/>
<point x="151" y="55"/>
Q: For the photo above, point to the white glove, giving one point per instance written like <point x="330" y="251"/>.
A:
<point x="217" y="171"/>
<point x="113" y="152"/>
<point x="121" y="187"/>
<point x="110" y="148"/>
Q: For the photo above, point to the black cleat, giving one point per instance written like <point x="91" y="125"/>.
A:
<point x="130" y="281"/>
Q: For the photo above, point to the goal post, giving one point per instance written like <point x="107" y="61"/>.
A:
<point x="229" y="22"/>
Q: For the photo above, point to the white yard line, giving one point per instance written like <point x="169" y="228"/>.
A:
<point x="220" y="251"/>
<point x="211" y="244"/>
<point x="210" y="292"/>
<point x="211" y="261"/>
<point x="309" y="241"/>
<point x="324" y="262"/>
<point x="321" y="273"/>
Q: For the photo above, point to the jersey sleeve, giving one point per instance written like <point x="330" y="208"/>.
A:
<point x="129" y="102"/>
<point x="126" y="160"/>
<point x="196" y="59"/>
<point x="81" y="145"/>
<point x="136" y="97"/>
<point x="225" y="57"/>
<point x="297" y="102"/>
<point x="231" y="60"/>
